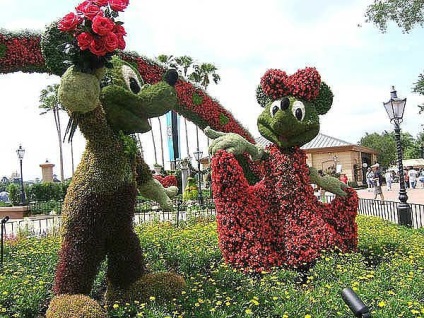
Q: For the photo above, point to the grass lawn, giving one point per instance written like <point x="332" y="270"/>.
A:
<point x="387" y="272"/>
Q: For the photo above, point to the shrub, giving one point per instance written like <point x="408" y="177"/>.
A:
<point x="74" y="306"/>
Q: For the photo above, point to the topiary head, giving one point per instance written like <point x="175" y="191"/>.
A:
<point x="292" y="105"/>
<point x="129" y="103"/>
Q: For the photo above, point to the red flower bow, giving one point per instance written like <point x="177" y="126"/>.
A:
<point x="303" y="84"/>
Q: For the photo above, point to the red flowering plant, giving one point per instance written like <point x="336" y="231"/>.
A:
<point x="95" y="33"/>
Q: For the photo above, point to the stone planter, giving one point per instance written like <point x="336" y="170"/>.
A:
<point x="14" y="212"/>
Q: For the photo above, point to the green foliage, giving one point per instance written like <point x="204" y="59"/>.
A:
<point x="407" y="14"/>
<point x="3" y="49"/>
<point x="74" y="306"/>
<point x="387" y="273"/>
<point x="197" y="99"/>
<point x="223" y="120"/>
<point x="385" y="144"/>
<point x="130" y="144"/>
<point x="419" y="88"/>
<point x="261" y="97"/>
<point x="52" y="47"/>
<point x="191" y="191"/>
<point x="47" y="191"/>
<point x="324" y="100"/>
<point x="14" y="193"/>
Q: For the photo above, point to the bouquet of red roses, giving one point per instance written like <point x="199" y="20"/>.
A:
<point x="96" y="35"/>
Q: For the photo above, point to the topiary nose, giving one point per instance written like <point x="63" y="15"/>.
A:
<point x="285" y="103"/>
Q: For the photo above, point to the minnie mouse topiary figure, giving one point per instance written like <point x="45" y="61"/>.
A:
<point x="276" y="220"/>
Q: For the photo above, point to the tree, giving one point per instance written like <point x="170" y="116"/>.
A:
<point x="184" y="63"/>
<point x="202" y="74"/>
<point x="50" y="103"/>
<point x="153" y="140"/>
<point x="407" y="14"/>
<point x="385" y="144"/>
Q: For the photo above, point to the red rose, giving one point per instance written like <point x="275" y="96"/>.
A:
<point x="102" y="25"/>
<point x="119" y="30"/>
<point x="88" y="9"/>
<point x="118" y="5"/>
<point x="121" y="42"/>
<point x="84" y="40"/>
<point x="110" y="42"/>
<point x="101" y="3"/>
<point x="69" y="22"/>
<point x="97" y="47"/>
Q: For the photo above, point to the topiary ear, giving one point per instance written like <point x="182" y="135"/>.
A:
<point x="324" y="100"/>
<point x="53" y="48"/>
<point x="261" y="97"/>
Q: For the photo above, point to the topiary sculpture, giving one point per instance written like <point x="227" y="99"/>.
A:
<point x="271" y="217"/>
<point x="99" y="206"/>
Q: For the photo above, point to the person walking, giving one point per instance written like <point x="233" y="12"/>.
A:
<point x="378" y="180"/>
<point x="389" y="179"/>
<point x="412" y="174"/>
<point x="370" y="179"/>
<point x="421" y="177"/>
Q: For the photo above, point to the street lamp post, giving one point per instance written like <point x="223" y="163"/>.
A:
<point x="198" y="155"/>
<point x="395" y="108"/>
<point x="21" y="152"/>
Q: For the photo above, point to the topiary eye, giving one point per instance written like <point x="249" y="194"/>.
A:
<point x="131" y="79"/>
<point x="275" y="107"/>
<point x="134" y="86"/>
<point x="298" y="110"/>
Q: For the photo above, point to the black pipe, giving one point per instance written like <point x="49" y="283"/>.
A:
<point x="3" y="228"/>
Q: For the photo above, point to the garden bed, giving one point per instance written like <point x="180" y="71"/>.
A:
<point x="387" y="273"/>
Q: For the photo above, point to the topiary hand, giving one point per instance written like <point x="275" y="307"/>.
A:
<point x="232" y="143"/>
<point x="79" y="92"/>
<point x="328" y="183"/>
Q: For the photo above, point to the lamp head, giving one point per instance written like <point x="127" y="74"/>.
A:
<point x="20" y="152"/>
<point x="395" y="107"/>
<point x="198" y="155"/>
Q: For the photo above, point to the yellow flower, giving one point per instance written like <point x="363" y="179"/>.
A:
<point x="381" y="304"/>
<point x="152" y="298"/>
<point x="115" y="306"/>
<point x="248" y="311"/>
<point x="308" y="316"/>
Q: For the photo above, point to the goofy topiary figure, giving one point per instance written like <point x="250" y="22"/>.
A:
<point x="108" y="106"/>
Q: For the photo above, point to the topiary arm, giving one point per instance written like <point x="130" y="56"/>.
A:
<point x="154" y="190"/>
<point x="233" y="143"/>
<point x="327" y="183"/>
<point x="151" y="188"/>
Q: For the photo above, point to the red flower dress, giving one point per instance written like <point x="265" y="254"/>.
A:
<point x="278" y="221"/>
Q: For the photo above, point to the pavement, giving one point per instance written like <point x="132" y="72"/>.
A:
<point x="414" y="195"/>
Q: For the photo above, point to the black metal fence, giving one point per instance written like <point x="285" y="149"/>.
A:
<point x="387" y="210"/>
<point x="146" y="211"/>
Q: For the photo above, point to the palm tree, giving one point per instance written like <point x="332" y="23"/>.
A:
<point x="201" y="75"/>
<point x="185" y="62"/>
<point x="50" y="102"/>
<point x="168" y="60"/>
<point x="153" y="141"/>
<point x="161" y="142"/>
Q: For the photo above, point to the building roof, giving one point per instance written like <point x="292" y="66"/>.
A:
<point x="320" y="141"/>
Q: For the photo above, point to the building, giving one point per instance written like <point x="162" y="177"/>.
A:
<point x="330" y="154"/>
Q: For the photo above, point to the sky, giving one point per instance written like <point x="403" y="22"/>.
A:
<point x="242" y="39"/>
